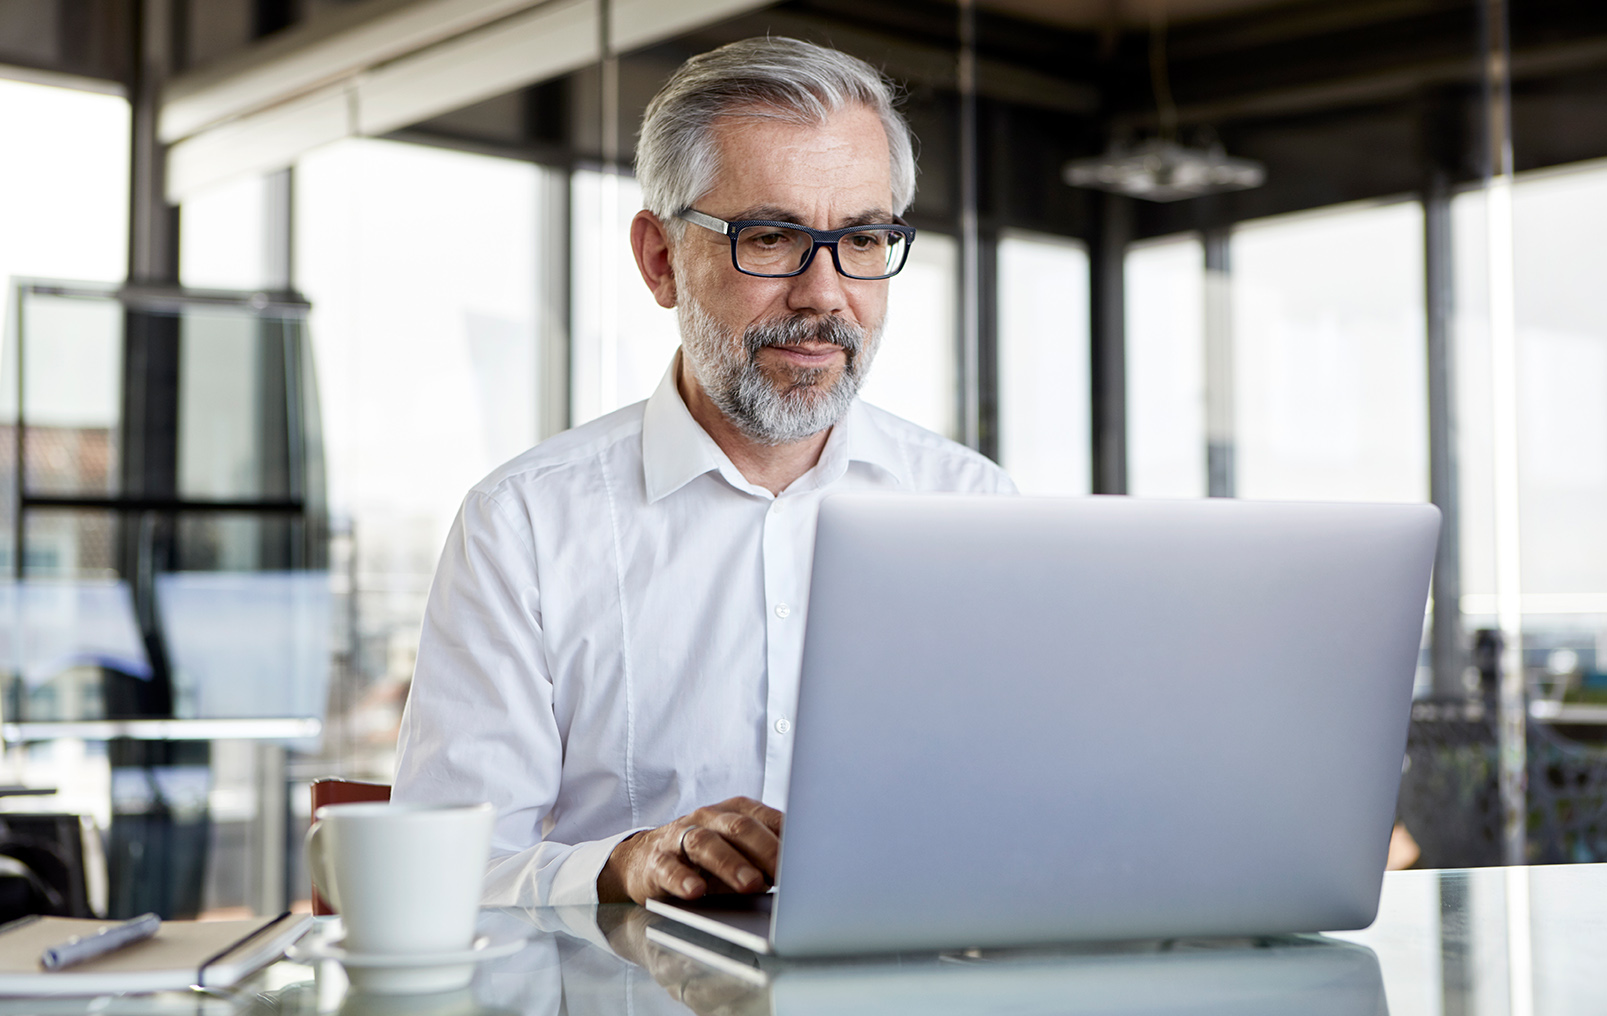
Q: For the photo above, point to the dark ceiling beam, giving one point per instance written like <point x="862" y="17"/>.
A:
<point x="1292" y="23"/>
<point x="929" y="64"/>
<point x="1370" y="89"/>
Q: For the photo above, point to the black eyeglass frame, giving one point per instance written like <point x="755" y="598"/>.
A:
<point x="826" y="238"/>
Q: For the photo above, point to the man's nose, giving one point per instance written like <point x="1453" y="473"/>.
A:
<point x="819" y="289"/>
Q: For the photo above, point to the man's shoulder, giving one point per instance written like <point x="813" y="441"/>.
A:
<point x="575" y="455"/>
<point x="935" y="462"/>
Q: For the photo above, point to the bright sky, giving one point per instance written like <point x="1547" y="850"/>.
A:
<point x="63" y="184"/>
<point x="64" y="214"/>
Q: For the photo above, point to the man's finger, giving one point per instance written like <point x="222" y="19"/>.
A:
<point x="673" y="876"/>
<point x="763" y="813"/>
<point x="768" y="816"/>
<point x="750" y="836"/>
<point x="710" y="851"/>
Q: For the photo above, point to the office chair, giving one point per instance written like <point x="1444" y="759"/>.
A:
<point x="42" y="866"/>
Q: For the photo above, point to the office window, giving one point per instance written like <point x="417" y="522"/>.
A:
<point x="1474" y="394"/>
<point x="422" y="266"/>
<point x="1166" y="436"/>
<point x="914" y="372"/>
<point x="1043" y="363"/>
<point x="1329" y="355"/>
<point x="1559" y="218"/>
<point x="64" y="213"/>
<point x="222" y="236"/>
<point x="623" y="340"/>
<point x="72" y="396"/>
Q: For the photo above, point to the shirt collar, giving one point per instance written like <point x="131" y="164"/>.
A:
<point x="870" y="443"/>
<point x="677" y="450"/>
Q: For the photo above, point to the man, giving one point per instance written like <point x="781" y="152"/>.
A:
<point x="612" y="645"/>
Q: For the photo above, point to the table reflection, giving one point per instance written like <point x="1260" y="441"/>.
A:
<point x="609" y="962"/>
<point x="618" y="960"/>
<point x="1481" y="942"/>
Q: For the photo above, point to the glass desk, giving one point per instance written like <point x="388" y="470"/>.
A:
<point x="1481" y="942"/>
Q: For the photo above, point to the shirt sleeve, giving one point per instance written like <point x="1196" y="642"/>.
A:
<point x="1002" y="483"/>
<point x="479" y="722"/>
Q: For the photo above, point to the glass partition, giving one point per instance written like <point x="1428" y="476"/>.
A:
<point x="71" y="391"/>
<point x="201" y="595"/>
<point x="233" y="439"/>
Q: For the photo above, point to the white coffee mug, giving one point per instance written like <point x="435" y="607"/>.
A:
<point x="406" y="880"/>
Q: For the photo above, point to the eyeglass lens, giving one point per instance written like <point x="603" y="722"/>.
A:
<point x="868" y="253"/>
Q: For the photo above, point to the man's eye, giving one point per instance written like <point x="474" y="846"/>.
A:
<point x="770" y="239"/>
<point x="863" y="241"/>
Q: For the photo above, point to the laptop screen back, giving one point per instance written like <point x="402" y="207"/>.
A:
<point x="1032" y="720"/>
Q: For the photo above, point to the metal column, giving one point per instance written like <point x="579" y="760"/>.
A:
<point x="1107" y="301"/>
<point x="1449" y="650"/>
<point x="1498" y="169"/>
<point x="1220" y="458"/>
<point x="970" y="337"/>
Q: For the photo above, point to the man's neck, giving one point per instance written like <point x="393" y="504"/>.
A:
<point x="773" y="467"/>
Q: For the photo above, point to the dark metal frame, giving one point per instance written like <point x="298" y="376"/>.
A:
<point x="823" y="238"/>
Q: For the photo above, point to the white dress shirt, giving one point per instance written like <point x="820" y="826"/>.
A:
<point x="614" y="635"/>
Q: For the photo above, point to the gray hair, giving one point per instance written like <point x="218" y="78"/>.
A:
<point x="762" y="78"/>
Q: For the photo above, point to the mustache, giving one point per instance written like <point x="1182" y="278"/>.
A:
<point x="802" y="328"/>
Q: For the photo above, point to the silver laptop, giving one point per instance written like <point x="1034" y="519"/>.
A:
<point x="1037" y="720"/>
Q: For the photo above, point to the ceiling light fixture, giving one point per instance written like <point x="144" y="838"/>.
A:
<point x="1159" y="168"/>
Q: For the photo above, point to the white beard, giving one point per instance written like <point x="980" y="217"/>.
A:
<point x="771" y="412"/>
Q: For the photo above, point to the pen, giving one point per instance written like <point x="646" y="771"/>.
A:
<point x="109" y="939"/>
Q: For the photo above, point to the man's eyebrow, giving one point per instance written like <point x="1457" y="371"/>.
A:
<point x="775" y="213"/>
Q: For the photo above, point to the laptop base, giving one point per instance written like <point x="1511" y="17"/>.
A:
<point x="740" y="920"/>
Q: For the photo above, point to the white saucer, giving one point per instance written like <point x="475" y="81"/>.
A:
<point x="486" y="947"/>
<point x="407" y="973"/>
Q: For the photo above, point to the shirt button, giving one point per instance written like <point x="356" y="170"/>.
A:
<point x="783" y="725"/>
<point x="782" y="611"/>
<point x="775" y="506"/>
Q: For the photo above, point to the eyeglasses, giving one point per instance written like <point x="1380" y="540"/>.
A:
<point x="778" y="250"/>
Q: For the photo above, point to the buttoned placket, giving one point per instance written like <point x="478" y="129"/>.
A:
<point x="786" y="564"/>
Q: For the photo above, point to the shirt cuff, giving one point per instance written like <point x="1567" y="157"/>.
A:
<point x="575" y="883"/>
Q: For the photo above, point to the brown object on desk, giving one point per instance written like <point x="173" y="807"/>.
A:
<point x="332" y="790"/>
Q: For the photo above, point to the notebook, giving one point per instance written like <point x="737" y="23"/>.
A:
<point x="209" y="954"/>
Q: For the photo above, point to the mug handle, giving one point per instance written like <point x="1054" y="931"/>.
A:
<point x="316" y="867"/>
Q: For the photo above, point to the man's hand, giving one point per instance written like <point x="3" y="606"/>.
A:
<point x="730" y="847"/>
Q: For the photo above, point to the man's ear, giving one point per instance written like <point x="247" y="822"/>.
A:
<point x="650" y="243"/>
